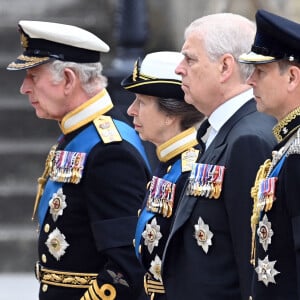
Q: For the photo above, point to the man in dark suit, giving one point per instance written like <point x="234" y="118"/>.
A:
<point x="95" y="176"/>
<point x="207" y="255"/>
<point x="275" y="54"/>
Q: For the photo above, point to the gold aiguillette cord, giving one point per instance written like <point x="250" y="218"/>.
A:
<point x="42" y="180"/>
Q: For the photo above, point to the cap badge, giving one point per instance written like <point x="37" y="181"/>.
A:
<point x="57" y="244"/>
<point x="265" y="232"/>
<point x="57" y="204"/>
<point x="136" y="68"/>
<point x="266" y="271"/>
<point x="24" y="40"/>
<point x="152" y="235"/>
<point x="203" y="235"/>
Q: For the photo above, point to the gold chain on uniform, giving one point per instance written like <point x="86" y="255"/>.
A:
<point x="263" y="172"/>
<point x="42" y="180"/>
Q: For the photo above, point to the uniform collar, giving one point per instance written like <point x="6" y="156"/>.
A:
<point x="287" y="126"/>
<point x="85" y="113"/>
<point x="178" y="144"/>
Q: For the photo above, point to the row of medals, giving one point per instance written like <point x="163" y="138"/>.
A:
<point x="206" y="180"/>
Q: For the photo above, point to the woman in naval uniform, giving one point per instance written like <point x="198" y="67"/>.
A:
<point x="161" y="117"/>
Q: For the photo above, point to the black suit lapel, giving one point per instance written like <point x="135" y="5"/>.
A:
<point x="210" y="156"/>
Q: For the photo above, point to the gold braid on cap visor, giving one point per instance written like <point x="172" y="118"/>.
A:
<point x="27" y="61"/>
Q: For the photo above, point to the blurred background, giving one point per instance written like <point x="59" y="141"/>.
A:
<point x="132" y="28"/>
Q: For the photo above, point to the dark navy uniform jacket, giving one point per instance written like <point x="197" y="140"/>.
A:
<point x="99" y="221"/>
<point x="224" y="272"/>
<point x="161" y="225"/>
<point x="283" y="248"/>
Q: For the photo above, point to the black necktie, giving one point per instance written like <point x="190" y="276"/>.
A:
<point x="201" y="132"/>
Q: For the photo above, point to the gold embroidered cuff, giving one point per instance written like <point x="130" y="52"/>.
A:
<point x="64" y="279"/>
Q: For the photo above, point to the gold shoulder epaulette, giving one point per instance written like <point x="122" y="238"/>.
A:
<point x="107" y="129"/>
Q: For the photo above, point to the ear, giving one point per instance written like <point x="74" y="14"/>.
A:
<point x="226" y="66"/>
<point x="294" y="78"/>
<point x="70" y="80"/>
<point x="169" y="120"/>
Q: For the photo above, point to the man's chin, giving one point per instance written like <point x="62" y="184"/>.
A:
<point x="259" y="107"/>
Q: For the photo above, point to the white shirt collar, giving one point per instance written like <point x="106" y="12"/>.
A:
<point x="225" y="111"/>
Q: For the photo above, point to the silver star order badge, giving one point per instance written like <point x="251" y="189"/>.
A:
<point x="155" y="268"/>
<point x="203" y="235"/>
<point x="266" y="271"/>
<point x="57" y="243"/>
<point x="57" y="204"/>
<point x="152" y="235"/>
<point x="265" y="232"/>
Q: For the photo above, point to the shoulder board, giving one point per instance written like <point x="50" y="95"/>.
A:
<point x="294" y="147"/>
<point x="188" y="157"/>
<point x="107" y="129"/>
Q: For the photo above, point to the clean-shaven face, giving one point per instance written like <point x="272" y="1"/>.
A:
<point x="45" y="95"/>
<point x="148" y="120"/>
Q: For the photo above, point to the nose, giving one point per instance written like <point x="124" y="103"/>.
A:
<point x="25" y="87"/>
<point x="250" y="80"/>
<point x="179" y="69"/>
<point x="132" y="109"/>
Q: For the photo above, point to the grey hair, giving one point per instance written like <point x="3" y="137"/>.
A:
<point x="89" y="74"/>
<point x="188" y="114"/>
<point x="226" y="33"/>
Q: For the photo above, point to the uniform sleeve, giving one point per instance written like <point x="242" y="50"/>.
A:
<point x="291" y="192"/>
<point x="117" y="179"/>
<point x="244" y="159"/>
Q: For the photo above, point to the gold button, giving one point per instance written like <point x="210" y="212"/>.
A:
<point x="250" y="298"/>
<point x="139" y="212"/>
<point x="140" y="249"/>
<point x="148" y="185"/>
<point x="45" y="288"/>
<point x="169" y="168"/>
<point x="46" y="228"/>
<point x="44" y="258"/>
<point x="133" y="242"/>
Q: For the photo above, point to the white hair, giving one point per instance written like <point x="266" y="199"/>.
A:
<point x="225" y="33"/>
<point x="89" y="74"/>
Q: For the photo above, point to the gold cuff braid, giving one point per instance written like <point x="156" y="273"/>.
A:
<point x="153" y="286"/>
<point x="64" y="279"/>
<point x="105" y="292"/>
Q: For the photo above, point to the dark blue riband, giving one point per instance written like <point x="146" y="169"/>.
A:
<point x="84" y="142"/>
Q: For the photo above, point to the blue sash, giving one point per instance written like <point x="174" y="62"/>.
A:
<point x="146" y="215"/>
<point x="278" y="167"/>
<point x="84" y="142"/>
